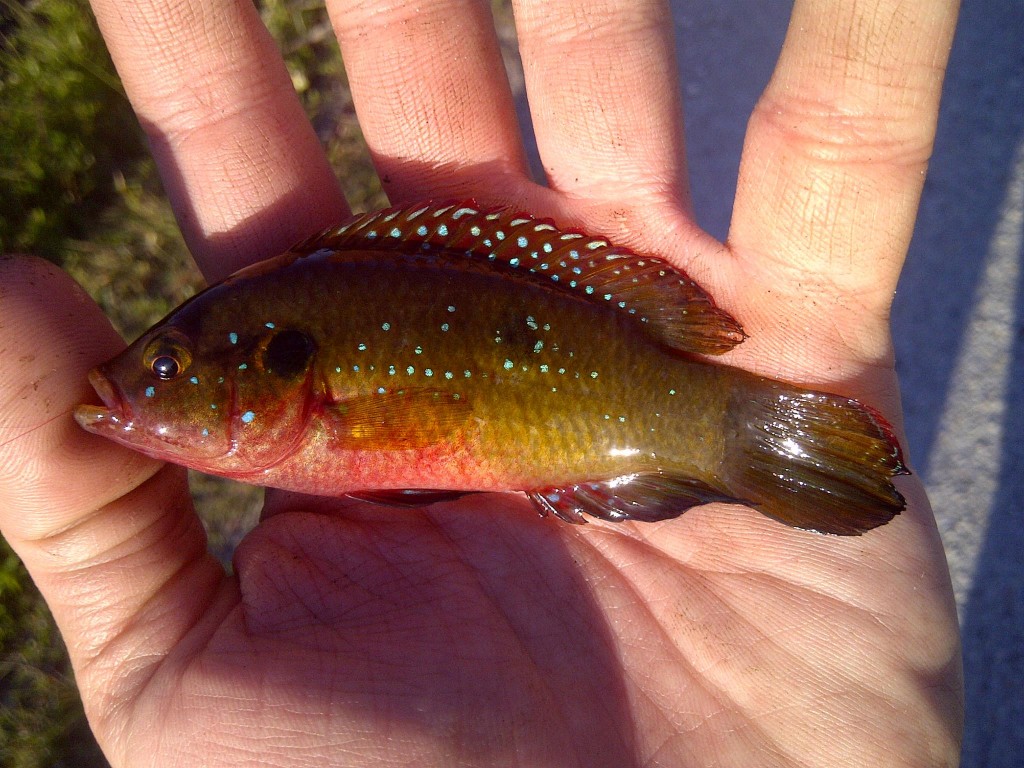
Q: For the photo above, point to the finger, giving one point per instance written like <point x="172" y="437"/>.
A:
<point x="108" y="536"/>
<point x="433" y="100"/>
<point x="833" y="167"/>
<point x="603" y="89"/>
<point x="241" y="163"/>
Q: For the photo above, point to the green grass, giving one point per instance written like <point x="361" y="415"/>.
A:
<point x="80" y="189"/>
<point x="62" y="105"/>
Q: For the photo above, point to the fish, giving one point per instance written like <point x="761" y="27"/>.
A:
<point x="422" y="352"/>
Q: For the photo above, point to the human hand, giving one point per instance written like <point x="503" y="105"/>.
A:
<point x="474" y="632"/>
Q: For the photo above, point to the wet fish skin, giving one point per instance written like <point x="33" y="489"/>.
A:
<point x="418" y="361"/>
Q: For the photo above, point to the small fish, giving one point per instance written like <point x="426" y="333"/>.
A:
<point x="417" y="353"/>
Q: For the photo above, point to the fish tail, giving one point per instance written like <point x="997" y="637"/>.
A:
<point x="812" y="460"/>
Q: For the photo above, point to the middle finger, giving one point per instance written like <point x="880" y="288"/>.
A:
<point x="433" y="100"/>
<point x="603" y="87"/>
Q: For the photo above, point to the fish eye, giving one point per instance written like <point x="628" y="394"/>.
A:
<point x="165" y="367"/>
<point x="287" y="353"/>
<point x="167" y="354"/>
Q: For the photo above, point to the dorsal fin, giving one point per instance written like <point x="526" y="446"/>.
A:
<point x="671" y="306"/>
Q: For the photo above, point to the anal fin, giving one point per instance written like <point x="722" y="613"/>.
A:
<point x="643" y="496"/>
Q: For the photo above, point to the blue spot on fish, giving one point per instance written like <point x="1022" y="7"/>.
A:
<point x="271" y="326"/>
<point x="443" y="230"/>
<point x="385" y="326"/>
<point x="243" y="366"/>
<point x="508" y="365"/>
<point x="248" y="417"/>
<point x="150" y="391"/>
<point x="194" y="379"/>
<point x="233" y="337"/>
<point x="522" y="241"/>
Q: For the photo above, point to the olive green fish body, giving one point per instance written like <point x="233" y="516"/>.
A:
<point x="448" y="349"/>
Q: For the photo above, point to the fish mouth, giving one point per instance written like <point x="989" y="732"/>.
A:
<point x="113" y="414"/>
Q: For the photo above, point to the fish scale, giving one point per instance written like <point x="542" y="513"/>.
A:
<point x="443" y="348"/>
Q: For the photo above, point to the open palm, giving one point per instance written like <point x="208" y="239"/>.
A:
<point x="474" y="632"/>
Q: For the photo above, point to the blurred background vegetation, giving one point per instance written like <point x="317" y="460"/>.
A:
<point x="77" y="186"/>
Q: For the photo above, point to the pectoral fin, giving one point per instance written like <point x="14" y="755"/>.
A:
<point x="397" y="420"/>
<point x="644" y="496"/>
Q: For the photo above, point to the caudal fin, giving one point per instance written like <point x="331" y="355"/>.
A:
<point x="813" y="460"/>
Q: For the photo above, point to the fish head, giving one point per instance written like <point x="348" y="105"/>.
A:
<point x="228" y="396"/>
<point x="160" y="398"/>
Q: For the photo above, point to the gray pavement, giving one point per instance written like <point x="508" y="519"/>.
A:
<point x="959" y="327"/>
<point x="958" y="320"/>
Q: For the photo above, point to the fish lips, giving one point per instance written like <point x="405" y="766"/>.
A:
<point x="113" y="416"/>
<point x="115" y="420"/>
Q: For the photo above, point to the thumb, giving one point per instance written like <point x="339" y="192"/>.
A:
<point x="109" y="536"/>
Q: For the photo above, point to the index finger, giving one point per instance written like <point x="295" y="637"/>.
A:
<point x="243" y="168"/>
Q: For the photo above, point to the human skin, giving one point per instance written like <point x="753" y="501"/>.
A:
<point x="473" y="632"/>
